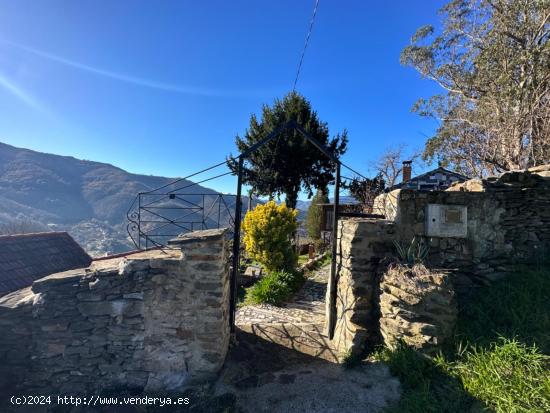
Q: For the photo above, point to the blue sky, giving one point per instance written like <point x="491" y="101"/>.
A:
<point x="163" y="87"/>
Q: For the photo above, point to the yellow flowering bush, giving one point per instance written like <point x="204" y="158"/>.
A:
<point x="268" y="229"/>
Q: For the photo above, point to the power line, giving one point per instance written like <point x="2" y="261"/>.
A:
<point x="305" y="44"/>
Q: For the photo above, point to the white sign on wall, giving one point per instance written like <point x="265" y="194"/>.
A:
<point x="446" y="220"/>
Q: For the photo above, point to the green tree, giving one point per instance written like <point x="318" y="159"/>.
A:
<point x="492" y="60"/>
<point x="315" y="214"/>
<point x="289" y="163"/>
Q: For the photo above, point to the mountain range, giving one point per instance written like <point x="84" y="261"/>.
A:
<point x="88" y="199"/>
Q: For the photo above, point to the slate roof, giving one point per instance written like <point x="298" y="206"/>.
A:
<point x="439" y="178"/>
<point x="28" y="257"/>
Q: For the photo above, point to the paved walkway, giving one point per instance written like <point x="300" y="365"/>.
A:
<point x="263" y="376"/>
<point x="307" y="306"/>
<point x="279" y="363"/>
<point x="298" y="324"/>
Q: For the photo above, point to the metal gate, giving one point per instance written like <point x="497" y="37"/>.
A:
<point x="158" y="215"/>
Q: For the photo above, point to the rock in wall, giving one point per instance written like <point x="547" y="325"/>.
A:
<point x="417" y="307"/>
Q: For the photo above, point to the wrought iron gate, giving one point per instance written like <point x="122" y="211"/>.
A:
<point x="158" y="215"/>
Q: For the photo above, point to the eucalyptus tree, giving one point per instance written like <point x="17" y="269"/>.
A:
<point x="492" y="60"/>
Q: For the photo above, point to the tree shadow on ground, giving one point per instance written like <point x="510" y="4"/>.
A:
<point x="267" y="375"/>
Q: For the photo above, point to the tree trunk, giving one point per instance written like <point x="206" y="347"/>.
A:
<point x="292" y="198"/>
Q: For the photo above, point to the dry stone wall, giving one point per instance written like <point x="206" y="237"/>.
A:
<point x="363" y="245"/>
<point x="417" y="307"/>
<point x="152" y="321"/>
<point x="507" y="223"/>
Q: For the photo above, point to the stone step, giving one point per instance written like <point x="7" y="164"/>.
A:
<point x="305" y="338"/>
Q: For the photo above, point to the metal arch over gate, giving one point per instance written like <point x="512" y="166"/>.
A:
<point x="157" y="215"/>
<point x="290" y="125"/>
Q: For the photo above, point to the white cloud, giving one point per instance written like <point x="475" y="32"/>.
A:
<point x="177" y="88"/>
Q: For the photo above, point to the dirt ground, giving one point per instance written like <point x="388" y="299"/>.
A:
<point x="265" y="377"/>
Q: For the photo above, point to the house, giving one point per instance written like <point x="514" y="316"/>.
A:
<point x="437" y="179"/>
<point x="25" y="258"/>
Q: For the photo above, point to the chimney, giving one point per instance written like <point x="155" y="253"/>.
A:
<point x="407" y="171"/>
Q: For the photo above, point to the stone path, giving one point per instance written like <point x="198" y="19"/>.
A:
<point x="263" y="376"/>
<point x="299" y="324"/>
<point x="307" y="306"/>
<point x="279" y="363"/>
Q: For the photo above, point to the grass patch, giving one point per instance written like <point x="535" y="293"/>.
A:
<point x="302" y="259"/>
<point x="509" y="376"/>
<point x="274" y="288"/>
<point x="515" y="307"/>
<point x="499" y="358"/>
<point x="326" y="260"/>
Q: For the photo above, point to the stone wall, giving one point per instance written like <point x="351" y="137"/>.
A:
<point x="363" y="245"/>
<point x="152" y="321"/>
<point x="417" y="307"/>
<point x="507" y="223"/>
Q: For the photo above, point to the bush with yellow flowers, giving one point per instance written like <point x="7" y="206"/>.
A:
<point x="268" y="230"/>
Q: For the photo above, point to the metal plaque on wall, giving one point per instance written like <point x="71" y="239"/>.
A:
<point x="446" y="220"/>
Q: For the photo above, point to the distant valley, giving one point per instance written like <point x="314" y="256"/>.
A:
<point x="88" y="199"/>
<point x="45" y="192"/>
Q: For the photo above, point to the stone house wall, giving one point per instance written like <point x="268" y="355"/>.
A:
<point x="508" y="223"/>
<point x="152" y="321"/>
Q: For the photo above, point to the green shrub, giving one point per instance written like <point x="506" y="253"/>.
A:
<point x="268" y="229"/>
<point x="293" y="279"/>
<point x="315" y="215"/>
<point x="274" y="288"/>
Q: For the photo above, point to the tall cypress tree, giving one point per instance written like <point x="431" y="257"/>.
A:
<point x="315" y="214"/>
<point x="289" y="163"/>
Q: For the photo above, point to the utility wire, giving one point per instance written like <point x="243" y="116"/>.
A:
<point x="305" y="44"/>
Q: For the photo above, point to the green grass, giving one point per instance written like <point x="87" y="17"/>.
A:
<point x="499" y="358"/>
<point x="274" y="288"/>
<point x="302" y="259"/>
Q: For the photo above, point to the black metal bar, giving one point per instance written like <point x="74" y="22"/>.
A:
<point x="147" y="208"/>
<point x="219" y="209"/>
<point x="155" y="201"/>
<point x="236" y="248"/>
<point x="178" y="196"/>
<point x="139" y="221"/>
<point x="186" y="178"/>
<point x="168" y="220"/>
<point x="333" y="281"/>
<point x="360" y="215"/>
<point x="203" y="223"/>
<point x="265" y="140"/>
<point x="322" y="148"/>
<point x="353" y="170"/>
<point x="200" y="182"/>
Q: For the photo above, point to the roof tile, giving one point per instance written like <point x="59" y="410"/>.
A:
<point x="28" y="257"/>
